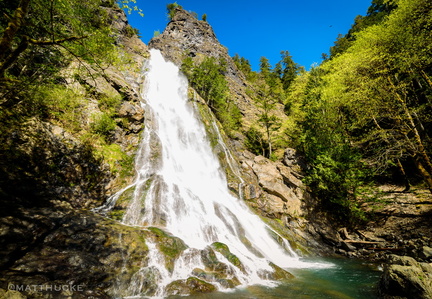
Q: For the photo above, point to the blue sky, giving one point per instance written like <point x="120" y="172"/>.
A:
<point x="305" y="28"/>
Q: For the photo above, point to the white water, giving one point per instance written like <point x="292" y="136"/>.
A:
<point x="181" y="188"/>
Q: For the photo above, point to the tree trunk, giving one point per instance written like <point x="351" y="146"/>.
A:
<point x="427" y="177"/>
<point x="422" y="158"/>
<point x="405" y="177"/>
<point x="15" y="23"/>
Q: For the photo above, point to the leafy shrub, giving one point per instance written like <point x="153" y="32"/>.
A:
<point x="209" y="81"/>
<point x="103" y="124"/>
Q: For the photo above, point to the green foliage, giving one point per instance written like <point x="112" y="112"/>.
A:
<point x="255" y="142"/>
<point x="61" y="104"/>
<point x="377" y="13"/>
<point x="244" y="66"/>
<point x="209" y="81"/>
<point x="267" y="102"/>
<point x="130" y="8"/>
<point x="103" y="124"/>
<point x="171" y="9"/>
<point x="288" y="69"/>
<point x="156" y="33"/>
<point x="204" y="17"/>
<point x="363" y="113"/>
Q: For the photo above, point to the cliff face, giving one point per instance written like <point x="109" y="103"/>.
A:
<point x="185" y="36"/>
<point x="52" y="173"/>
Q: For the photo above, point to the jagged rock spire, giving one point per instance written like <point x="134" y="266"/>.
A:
<point x="185" y="35"/>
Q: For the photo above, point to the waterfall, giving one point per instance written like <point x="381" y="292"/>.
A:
<point x="181" y="188"/>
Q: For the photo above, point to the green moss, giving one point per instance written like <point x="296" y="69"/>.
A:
<point x="216" y="277"/>
<point x="280" y="274"/>
<point x="116" y="214"/>
<point x="171" y="247"/>
<point x="224" y="250"/>
<point x="189" y="286"/>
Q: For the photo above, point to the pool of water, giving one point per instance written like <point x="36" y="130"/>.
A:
<point x="347" y="279"/>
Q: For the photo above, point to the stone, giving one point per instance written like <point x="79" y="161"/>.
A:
<point x="426" y="253"/>
<point x="11" y="294"/>
<point x="192" y="285"/>
<point x="271" y="180"/>
<point x="348" y="247"/>
<point x="293" y="160"/>
<point x="405" y="277"/>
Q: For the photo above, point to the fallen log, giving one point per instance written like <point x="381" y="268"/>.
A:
<point x="360" y="242"/>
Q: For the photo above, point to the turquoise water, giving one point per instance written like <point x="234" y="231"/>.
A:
<point x="348" y="279"/>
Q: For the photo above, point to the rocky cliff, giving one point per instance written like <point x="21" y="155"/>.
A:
<point x="52" y="173"/>
<point x="185" y="36"/>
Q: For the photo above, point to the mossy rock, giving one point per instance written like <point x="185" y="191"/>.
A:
<point x="10" y="294"/>
<point x="224" y="250"/>
<point x="220" y="278"/>
<point x="171" y="247"/>
<point x="121" y="204"/>
<point x="280" y="274"/>
<point x="189" y="286"/>
<point x="210" y="261"/>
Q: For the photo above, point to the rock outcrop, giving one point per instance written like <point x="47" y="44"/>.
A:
<point x="185" y="36"/>
<point x="404" y="277"/>
<point x="54" y="175"/>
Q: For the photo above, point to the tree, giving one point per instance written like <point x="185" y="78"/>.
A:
<point x="171" y="9"/>
<point x="41" y="36"/>
<point x="270" y="122"/>
<point x="383" y="81"/>
<point x="127" y="6"/>
<point x="377" y="12"/>
<point x="209" y="81"/>
<point x="243" y="65"/>
<point x="288" y="69"/>
<point x="265" y="67"/>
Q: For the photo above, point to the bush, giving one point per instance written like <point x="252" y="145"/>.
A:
<point x="103" y="125"/>
<point x="209" y="81"/>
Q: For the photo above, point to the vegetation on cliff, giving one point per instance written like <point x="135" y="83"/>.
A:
<point x="364" y="114"/>
<point x="56" y="67"/>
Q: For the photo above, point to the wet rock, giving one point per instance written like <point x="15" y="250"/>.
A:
<point x="209" y="259"/>
<point x="277" y="274"/>
<point x="404" y="277"/>
<point x="171" y="247"/>
<point x="280" y="274"/>
<point x="69" y="248"/>
<point x="232" y="258"/>
<point x="192" y="285"/>
<point x="216" y="277"/>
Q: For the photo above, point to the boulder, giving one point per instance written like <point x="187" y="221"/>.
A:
<point x="426" y="253"/>
<point x="271" y="180"/>
<point x="404" y="277"/>
<point x="192" y="285"/>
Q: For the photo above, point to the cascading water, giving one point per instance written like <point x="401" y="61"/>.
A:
<point x="181" y="188"/>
